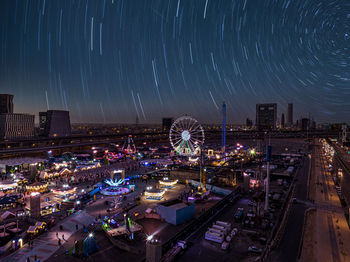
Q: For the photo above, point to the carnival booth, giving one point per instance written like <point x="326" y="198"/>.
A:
<point x="37" y="187"/>
<point x="37" y="228"/>
<point x="8" y="186"/>
<point x="154" y="194"/>
<point x="64" y="191"/>
<point x="166" y="183"/>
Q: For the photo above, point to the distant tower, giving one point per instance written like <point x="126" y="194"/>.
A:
<point x="6" y="104"/>
<point x="290" y="115"/>
<point x="223" y="138"/>
<point x="282" y="120"/>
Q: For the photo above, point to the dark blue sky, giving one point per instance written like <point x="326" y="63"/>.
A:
<point x="111" y="60"/>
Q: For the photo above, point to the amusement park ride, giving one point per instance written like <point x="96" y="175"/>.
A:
<point x="187" y="137"/>
<point x="129" y="146"/>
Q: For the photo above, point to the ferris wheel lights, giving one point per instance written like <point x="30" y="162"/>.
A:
<point x="186" y="135"/>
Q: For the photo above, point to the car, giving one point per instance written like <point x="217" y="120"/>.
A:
<point x="182" y="244"/>
<point x="225" y="245"/>
<point x="252" y="203"/>
<point x="254" y="249"/>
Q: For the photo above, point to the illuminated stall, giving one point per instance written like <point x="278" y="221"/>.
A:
<point x="154" y="194"/>
<point x="37" y="228"/>
<point x="166" y="183"/>
<point x="37" y="187"/>
<point x="8" y="186"/>
<point x="64" y="191"/>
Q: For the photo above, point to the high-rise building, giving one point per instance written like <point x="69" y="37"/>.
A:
<point x="282" y="121"/>
<point x="249" y="122"/>
<point x="6" y="104"/>
<point x="54" y="123"/>
<point x="14" y="126"/>
<point x="305" y="122"/>
<point x="290" y="115"/>
<point x="166" y="123"/>
<point x="266" y="116"/>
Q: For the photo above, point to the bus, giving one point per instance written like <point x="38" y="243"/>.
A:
<point x="215" y="237"/>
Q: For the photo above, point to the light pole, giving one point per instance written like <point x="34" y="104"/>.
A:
<point x="268" y="159"/>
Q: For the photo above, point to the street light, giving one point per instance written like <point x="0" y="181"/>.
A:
<point x="149" y="238"/>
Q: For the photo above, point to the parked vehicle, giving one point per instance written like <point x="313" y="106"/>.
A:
<point x="225" y="245"/>
<point x="224" y="224"/>
<point x="255" y="249"/>
<point x="215" y="237"/>
<point x="239" y="214"/>
<point x="182" y="244"/>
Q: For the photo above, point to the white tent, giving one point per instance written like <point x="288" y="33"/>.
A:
<point x="7" y="215"/>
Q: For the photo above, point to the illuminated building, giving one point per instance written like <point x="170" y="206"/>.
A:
<point x="35" y="205"/>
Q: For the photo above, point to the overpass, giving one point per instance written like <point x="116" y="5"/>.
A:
<point x="39" y="144"/>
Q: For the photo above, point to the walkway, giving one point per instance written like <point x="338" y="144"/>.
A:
<point x="47" y="244"/>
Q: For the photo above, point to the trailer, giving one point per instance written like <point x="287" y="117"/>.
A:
<point x="224" y="224"/>
<point x="218" y="238"/>
<point x="224" y="229"/>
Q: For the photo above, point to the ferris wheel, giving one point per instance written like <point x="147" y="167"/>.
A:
<point x="186" y="136"/>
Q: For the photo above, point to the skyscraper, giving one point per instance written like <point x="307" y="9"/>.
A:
<point x="6" y="104"/>
<point x="282" y="120"/>
<point x="166" y="123"/>
<point x="54" y="123"/>
<point x="290" y="115"/>
<point x="249" y="122"/>
<point x="266" y="116"/>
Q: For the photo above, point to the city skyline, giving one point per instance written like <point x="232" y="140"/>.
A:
<point x="112" y="61"/>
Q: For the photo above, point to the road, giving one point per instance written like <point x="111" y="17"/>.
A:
<point x="326" y="228"/>
<point x="288" y="248"/>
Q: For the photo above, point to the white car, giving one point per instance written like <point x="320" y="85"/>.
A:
<point x="182" y="244"/>
<point x="225" y="245"/>
<point x="255" y="249"/>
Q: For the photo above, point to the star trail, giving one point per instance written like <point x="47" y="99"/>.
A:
<point x="115" y="60"/>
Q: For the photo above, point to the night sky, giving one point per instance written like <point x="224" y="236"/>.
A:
<point x="114" y="60"/>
